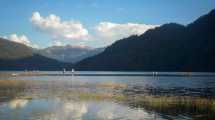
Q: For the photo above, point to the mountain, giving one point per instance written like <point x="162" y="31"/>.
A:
<point x="15" y="56"/>
<point x="170" y="47"/>
<point x="12" y="50"/>
<point x="69" y="53"/>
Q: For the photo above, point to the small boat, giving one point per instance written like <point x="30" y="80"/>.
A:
<point x="14" y="74"/>
<point x="73" y="71"/>
<point x="154" y="73"/>
<point x="64" y="70"/>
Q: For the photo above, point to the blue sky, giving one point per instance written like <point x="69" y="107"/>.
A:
<point x="104" y="20"/>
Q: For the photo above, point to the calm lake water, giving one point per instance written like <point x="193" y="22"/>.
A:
<point x="105" y="96"/>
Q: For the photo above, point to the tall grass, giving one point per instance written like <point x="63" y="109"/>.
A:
<point x="196" y="106"/>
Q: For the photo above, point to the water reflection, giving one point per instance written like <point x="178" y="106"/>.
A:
<point x="66" y="110"/>
<point x="80" y="110"/>
<point x="17" y="103"/>
<point x="112" y="99"/>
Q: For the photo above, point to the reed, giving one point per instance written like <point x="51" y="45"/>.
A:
<point x="100" y="96"/>
<point x="112" y="85"/>
<point x="168" y="104"/>
<point x="196" y="106"/>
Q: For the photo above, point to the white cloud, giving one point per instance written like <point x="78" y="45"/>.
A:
<point x="113" y="31"/>
<point x="104" y="33"/>
<point x="19" y="39"/>
<point x="22" y="39"/>
<point x="53" y="25"/>
<point x="4" y="37"/>
<point x="58" y="43"/>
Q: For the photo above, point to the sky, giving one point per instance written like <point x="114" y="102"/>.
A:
<point x="94" y="23"/>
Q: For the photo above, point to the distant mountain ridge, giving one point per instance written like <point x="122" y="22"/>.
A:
<point x="16" y="56"/>
<point x="69" y="53"/>
<point x="170" y="47"/>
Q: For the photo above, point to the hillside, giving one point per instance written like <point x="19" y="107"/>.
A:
<point x="170" y="47"/>
<point x="12" y="50"/>
<point x="15" y="56"/>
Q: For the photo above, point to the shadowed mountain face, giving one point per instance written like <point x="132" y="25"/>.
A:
<point x="170" y="47"/>
<point x="70" y="54"/>
<point x="15" y="56"/>
<point x="12" y="50"/>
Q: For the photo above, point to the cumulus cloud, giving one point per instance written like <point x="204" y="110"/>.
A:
<point x="19" y="39"/>
<point x="113" y="31"/>
<point x="4" y="37"/>
<point x="58" y="43"/>
<point x="22" y="39"/>
<point x="104" y="33"/>
<point x="53" y="25"/>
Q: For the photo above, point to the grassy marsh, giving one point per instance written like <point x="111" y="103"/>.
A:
<point x="199" y="107"/>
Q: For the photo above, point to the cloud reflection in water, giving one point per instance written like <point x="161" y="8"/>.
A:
<point x="96" y="110"/>
<point x="18" y="103"/>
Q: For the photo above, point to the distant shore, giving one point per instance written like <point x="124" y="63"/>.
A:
<point x="102" y="73"/>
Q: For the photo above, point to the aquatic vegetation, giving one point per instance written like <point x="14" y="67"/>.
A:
<point x="43" y="89"/>
<point x="112" y="85"/>
<point x="172" y="101"/>
<point x="101" y="96"/>
<point x="18" y="83"/>
<point x="18" y="92"/>
<point x="174" y="105"/>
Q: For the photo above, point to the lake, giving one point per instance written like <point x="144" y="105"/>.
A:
<point x="106" y="96"/>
